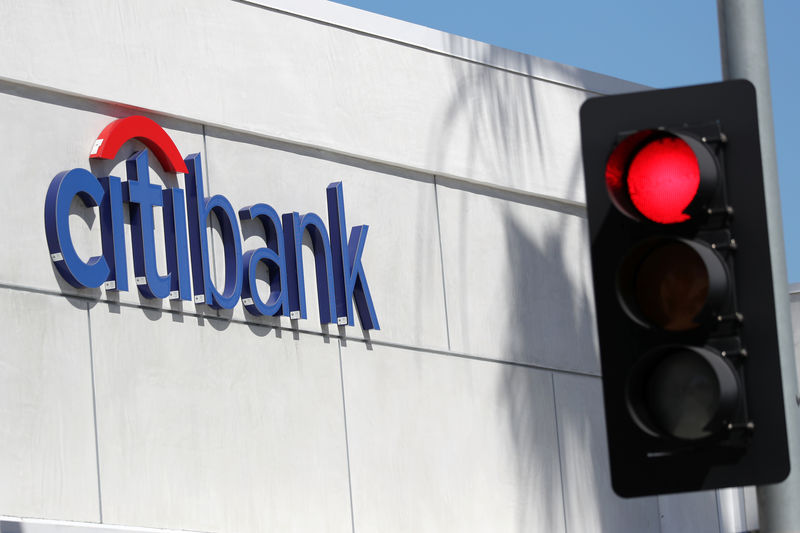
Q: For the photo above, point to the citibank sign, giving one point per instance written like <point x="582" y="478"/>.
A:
<point x="341" y="279"/>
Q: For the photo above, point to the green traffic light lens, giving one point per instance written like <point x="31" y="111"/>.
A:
<point x="682" y="395"/>
<point x="684" y="392"/>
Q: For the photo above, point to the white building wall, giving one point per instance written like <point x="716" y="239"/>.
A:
<point x="476" y="407"/>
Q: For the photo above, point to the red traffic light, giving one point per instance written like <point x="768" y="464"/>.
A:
<point x="683" y="289"/>
<point x="661" y="176"/>
<point x="662" y="180"/>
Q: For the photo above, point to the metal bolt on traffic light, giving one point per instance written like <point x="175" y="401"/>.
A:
<point x="683" y="289"/>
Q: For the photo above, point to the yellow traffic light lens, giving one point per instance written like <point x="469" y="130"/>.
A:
<point x="672" y="286"/>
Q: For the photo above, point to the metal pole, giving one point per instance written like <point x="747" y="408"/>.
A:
<point x="743" y="44"/>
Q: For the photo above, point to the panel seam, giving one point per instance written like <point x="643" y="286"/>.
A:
<point x="569" y="206"/>
<point x="441" y="261"/>
<point x="346" y="440"/>
<point x="558" y="447"/>
<point x="451" y="55"/>
<point x="288" y="329"/>
<point x="94" y="415"/>
<point x="212" y="253"/>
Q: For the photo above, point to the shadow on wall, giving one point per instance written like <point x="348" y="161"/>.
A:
<point x="540" y="268"/>
<point x="504" y="129"/>
<point x="512" y="133"/>
<point x="506" y="125"/>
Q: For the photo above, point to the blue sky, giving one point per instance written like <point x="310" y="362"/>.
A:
<point x="662" y="44"/>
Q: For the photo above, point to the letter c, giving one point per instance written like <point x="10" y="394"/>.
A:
<point x="64" y="187"/>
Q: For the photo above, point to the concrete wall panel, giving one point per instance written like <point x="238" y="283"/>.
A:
<point x="794" y="305"/>
<point x="443" y="443"/>
<point x="517" y="281"/>
<point x="217" y="426"/>
<point x="591" y="505"/>
<point x="691" y="512"/>
<point x="48" y="462"/>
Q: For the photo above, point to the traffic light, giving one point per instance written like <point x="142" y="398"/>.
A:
<point x="683" y="289"/>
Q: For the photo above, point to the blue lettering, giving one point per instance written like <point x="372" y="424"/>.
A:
<point x="199" y="208"/>
<point x="341" y="280"/>
<point x="351" y="281"/>
<point x="64" y="187"/>
<point x="175" y="243"/>
<point x="294" y="226"/>
<point x="143" y="196"/>
<point x="273" y="257"/>
<point x="112" y="224"/>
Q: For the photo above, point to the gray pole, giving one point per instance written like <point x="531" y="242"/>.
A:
<point x="743" y="43"/>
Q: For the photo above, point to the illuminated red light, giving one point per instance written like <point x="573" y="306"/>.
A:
<point x="663" y="179"/>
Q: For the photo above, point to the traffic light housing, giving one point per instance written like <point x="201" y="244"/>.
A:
<point x="683" y="289"/>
